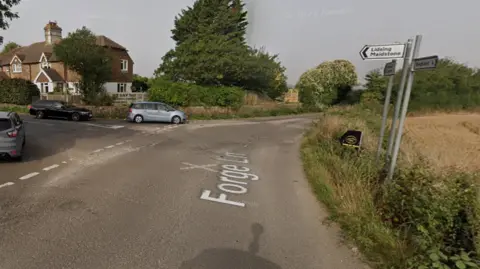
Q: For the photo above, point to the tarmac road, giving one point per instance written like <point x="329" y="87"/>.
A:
<point x="216" y="195"/>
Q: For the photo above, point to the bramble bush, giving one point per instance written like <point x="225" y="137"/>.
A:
<point x="17" y="91"/>
<point x="186" y="94"/>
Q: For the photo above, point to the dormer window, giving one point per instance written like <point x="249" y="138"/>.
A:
<point x="44" y="62"/>
<point x="16" y="64"/>
<point x="17" y="67"/>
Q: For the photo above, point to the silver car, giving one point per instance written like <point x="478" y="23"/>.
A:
<point x="12" y="136"/>
<point x="155" y="112"/>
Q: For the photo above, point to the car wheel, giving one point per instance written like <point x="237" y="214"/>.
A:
<point x="40" y="115"/>
<point x="75" y="117"/>
<point x="138" y="119"/>
<point x="176" y="120"/>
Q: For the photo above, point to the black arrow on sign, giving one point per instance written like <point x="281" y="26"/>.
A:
<point x="363" y="52"/>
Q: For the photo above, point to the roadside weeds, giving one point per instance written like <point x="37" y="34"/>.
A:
<point x="408" y="224"/>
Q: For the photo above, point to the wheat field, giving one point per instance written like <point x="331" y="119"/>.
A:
<point x="445" y="140"/>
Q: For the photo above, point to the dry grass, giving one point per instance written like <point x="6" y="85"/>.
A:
<point x="445" y="140"/>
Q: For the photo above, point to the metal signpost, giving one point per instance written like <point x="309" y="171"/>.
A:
<point x="389" y="70"/>
<point x="409" y="52"/>
<point x="406" y="64"/>
<point x="417" y="64"/>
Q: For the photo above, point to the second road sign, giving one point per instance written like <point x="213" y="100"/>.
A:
<point x="389" y="69"/>
<point x="383" y="52"/>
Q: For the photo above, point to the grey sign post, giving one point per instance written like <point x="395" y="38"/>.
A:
<point x="389" y="71"/>
<point x="406" y="64"/>
<point x="408" y="90"/>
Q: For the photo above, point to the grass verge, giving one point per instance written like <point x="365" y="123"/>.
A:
<point x="423" y="219"/>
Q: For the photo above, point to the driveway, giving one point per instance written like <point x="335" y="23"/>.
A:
<point x="216" y="195"/>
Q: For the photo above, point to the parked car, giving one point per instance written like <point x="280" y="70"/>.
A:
<point x="155" y="112"/>
<point x="12" y="136"/>
<point x="58" y="109"/>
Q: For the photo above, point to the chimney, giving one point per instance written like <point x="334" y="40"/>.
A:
<point x="53" y="33"/>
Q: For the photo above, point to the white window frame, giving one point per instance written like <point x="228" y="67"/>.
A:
<point x="17" y="68"/>
<point x="124" y="65"/>
<point x="45" y="64"/>
<point x="122" y="87"/>
<point x="44" y="86"/>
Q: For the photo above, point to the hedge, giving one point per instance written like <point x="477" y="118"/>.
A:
<point x="17" y="91"/>
<point x="186" y="94"/>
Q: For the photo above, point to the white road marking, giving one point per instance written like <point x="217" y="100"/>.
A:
<point x="29" y="175"/>
<point x="6" y="184"/>
<point x="97" y="151"/>
<point x="64" y="162"/>
<point x="109" y="147"/>
<point x="119" y="143"/>
<point x="126" y="141"/>
<point x="204" y="167"/>
<point x="51" y="167"/>
<point x="222" y="198"/>
<point x="105" y="126"/>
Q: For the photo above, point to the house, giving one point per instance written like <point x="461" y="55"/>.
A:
<point x="39" y="64"/>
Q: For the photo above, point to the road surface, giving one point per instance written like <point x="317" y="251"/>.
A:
<point x="213" y="195"/>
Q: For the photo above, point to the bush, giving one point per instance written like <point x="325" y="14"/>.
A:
<point x="420" y="220"/>
<point x="185" y="94"/>
<point x="17" y="91"/>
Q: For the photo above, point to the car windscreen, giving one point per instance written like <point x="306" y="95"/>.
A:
<point x="5" y="124"/>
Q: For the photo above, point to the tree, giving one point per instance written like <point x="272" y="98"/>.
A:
<point x="92" y="62"/>
<point x="375" y="87"/>
<point x="211" y="50"/>
<point x="7" y="14"/>
<point x="140" y="84"/>
<point x="10" y="46"/>
<point x="327" y="84"/>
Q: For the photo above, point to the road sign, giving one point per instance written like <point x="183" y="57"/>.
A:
<point x="383" y="52"/>
<point x="429" y="62"/>
<point x="389" y="69"/>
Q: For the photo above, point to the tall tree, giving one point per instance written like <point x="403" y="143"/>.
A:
<point x="92" y="62"/>
<point x="7" y="14"/>
<point x="10" y="46"/>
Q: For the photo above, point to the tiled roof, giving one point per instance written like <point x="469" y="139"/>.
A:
<point x="53" y="74"/>
<point x="33" y="52"/>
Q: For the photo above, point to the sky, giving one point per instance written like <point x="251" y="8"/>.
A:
<point x="304" y="33"/>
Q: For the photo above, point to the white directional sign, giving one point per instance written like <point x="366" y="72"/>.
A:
<point x="389" y="69"/>
<point x="382" y="52"/>
<point x="429" y="62"/>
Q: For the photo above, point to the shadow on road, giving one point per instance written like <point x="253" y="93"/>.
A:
<point x="222" y="258"/>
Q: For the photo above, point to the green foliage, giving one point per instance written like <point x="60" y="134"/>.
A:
<point x="211" y="51"/>
<point x="451" y="86"/>
<point x="327" y="84"/>
<point x="140" y="84"/>
<point x="10" y="46"/>
<point x="92" y="62"/>
<point x="186" y="94"/>
<point x="420" y="220"/>
<point x="17" y="91"/>
<point x="7" y="14"/>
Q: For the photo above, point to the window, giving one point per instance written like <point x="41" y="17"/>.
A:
<point x="17" y="68"/>
<point x="137" y="106"/>
<point x="45" y="64"/>
<point x="161" y="107"/>
<point x="124" y="65"/>
<point x="5" y="124"/>
<point x="150" y="106"/>
<point x="44" y="88"/>
<point x="121" y="87"/>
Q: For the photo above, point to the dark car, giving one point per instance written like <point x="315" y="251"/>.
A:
<point x="12" y="136"/>
<point x="58" y="109"/>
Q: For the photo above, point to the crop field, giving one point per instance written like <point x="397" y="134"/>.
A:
<point x="445" y="140"/>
